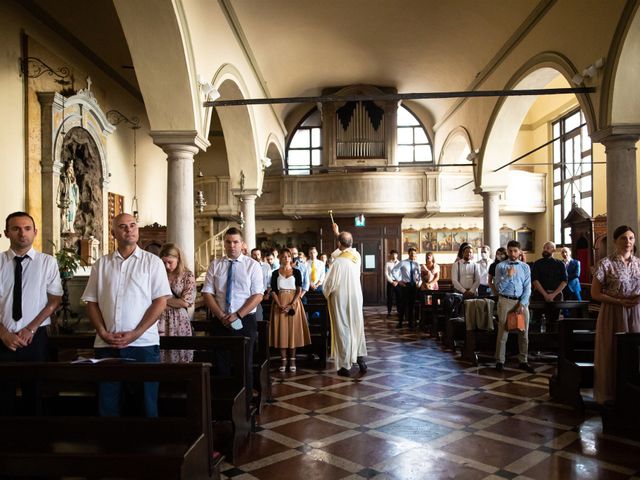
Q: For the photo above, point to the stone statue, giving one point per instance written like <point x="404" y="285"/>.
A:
<point x="68" y="197"/>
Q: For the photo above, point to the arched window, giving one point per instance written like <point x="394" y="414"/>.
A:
<point x="572" y="171"/>
<point x="413" y="145"/>
<point x="305" y="148"/>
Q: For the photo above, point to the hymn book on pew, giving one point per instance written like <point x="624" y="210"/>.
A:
<point x="86" y="360"/>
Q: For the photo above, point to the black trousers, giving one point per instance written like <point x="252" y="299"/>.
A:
<point x="222" y="364"/>
<point x="36" y="351"/>
<point x="393" y="295"/>
<point x="406" y="304"/>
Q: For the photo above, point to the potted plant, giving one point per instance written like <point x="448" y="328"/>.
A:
<point x="68" y="264"/>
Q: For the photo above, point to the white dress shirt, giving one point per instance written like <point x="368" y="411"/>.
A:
<point x="246" y="281"/>
<point x="124" y="289"/>
<point x="40" y="276"/>
<point x="320" y="270"/>
<point x="407" y="271"/>
<point x="388" y="269"/>
<point x="465" y="276"/>
<point x="483" y="265"/>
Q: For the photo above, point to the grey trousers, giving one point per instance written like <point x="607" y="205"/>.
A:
<point x="505" y="305"/>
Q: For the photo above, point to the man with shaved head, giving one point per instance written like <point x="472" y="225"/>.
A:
<point x="343" y="292"/>
<point x="126" y="293"/>
<point x="548" y="279"/>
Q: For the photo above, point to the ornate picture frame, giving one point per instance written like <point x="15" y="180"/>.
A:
<point x="506" y="235"/>
<point x="410" y="239"/>
<point x="526" y="237"/>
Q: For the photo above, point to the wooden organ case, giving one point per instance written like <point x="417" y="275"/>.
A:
<point x="359" y="132"/>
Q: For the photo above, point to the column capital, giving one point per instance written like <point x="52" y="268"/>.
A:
<point x="490" y="191"/>
<point x="617" y="134"/>
<point x="246" y="194"/>
<point x="171" y="141"/>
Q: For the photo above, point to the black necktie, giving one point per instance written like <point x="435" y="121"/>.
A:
<point x="17" y="289"/>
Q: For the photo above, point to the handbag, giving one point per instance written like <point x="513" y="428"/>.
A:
<point x="515" y="322"/>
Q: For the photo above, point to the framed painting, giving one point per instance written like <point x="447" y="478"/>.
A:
<point x="526" y="237"/>
<point x="506" y="235"/>
<point x="428" y="240"/>
<point x="458" y="237"/>
<point x="475" y="238"/>
<point x="445" y="240"/>
<point x="410" y="239"/>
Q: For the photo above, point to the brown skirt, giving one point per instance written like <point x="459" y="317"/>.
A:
<point x="288" y="331"/>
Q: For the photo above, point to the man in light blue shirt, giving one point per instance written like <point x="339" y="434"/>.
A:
<point x="513" y="284"/>
<point x="302" y="266"/>
<point x="407" y="274"/>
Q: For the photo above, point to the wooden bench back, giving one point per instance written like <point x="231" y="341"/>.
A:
<point x="576" y="339"/>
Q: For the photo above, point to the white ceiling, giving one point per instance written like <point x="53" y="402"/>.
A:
<point x="300" y="47"/>
<point x="303" y="46"/>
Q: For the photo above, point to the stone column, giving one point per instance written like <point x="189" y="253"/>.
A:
<point x="490" y="216"/>
<point x="622" y="188"/>
<point x="248" y="204"/>
<point x="180" y="148"/>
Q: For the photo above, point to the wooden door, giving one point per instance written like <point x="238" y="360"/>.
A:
<point x="372" y="263"/>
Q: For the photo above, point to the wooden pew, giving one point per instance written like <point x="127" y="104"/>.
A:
<point x="317" y="313"/>
<point x="577" y="309"/>
<point x="622" y="418"/>
<point x="319" y="327"/>
<point x="177" y="447"/>
<point x="576" y="343"/>
<point x="262" y="366"/>
<point x="232" y="412"/>
<point x="261" y="359"/>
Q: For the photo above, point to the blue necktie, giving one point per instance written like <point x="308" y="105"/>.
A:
<point x="229" y="284"/>
<point x="411" y="280"/>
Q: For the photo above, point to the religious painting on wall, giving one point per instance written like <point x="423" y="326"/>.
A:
<point x="475" y="238"/>
<point x="410" y="239"/>
<point x="458" y="237"/>
<point x="429" y="240"/>
<point x="506" y="235"/>
<point x="445" y="240"/>
<point x="526" y="237"/>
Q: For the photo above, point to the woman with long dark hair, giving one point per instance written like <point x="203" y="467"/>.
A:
<point x="616" y="285"/>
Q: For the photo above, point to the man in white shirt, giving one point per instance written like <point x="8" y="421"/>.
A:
<point x="233" y="288"/>
<point x="465" y="275"/>
<point x="256" y="254"/>
<point x="316" y="269"/>
<point x="392" y="283"/>
<point x="31" y="290"/>
<point x="304" y="271"/>
<point x="126" y="293"/>
<point x="484" y="290"/>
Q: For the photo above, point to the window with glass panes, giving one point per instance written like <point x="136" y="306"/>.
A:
<point x="572" y="171"/>
<point x="305" y="148"/>
<point x="413" y="144"/>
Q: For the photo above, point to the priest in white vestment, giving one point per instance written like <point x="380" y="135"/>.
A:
<point x="343" y="292"/>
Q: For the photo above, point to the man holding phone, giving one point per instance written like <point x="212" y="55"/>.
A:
<point x="232" y="290"/>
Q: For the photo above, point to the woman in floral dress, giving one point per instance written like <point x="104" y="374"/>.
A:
<point x="174" y="320"/>
<point x="616" y="284"/>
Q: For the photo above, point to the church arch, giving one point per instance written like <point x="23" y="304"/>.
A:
<point x="509" y="113"/>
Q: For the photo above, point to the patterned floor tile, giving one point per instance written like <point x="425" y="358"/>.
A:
<point x="422" y="413"/>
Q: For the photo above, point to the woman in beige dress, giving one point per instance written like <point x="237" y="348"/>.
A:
<point x="616" y="284"/>
<point x="288" y="328"/>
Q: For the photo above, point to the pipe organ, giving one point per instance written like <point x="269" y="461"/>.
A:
<point x="359" y="133"/>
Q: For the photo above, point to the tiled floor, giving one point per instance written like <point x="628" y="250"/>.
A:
<point x="420" y="413"/>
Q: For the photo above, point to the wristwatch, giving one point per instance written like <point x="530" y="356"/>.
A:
<point x="239" y="316"/>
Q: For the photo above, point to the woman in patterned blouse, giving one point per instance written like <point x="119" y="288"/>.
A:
<point x="174" y="321"/>
<point x="616" y="284"/>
